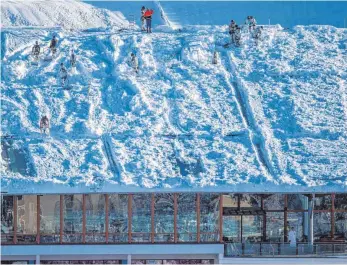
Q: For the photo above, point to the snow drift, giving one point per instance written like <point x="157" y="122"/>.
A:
<point x="69" y="14"/>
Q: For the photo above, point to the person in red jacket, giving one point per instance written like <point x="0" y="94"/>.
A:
<point x="148" y="16"/>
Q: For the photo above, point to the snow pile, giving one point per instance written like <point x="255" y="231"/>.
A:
<point x="265" y="118"/>
<point x="69" y="14"/>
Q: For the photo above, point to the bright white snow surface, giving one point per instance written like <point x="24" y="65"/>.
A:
<point x="266" y="118"/>
<point x="69" y="14"/>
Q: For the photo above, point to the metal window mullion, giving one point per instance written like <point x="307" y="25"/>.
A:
<point x="221" y="218"/>
<point x="152" y="218"/>
<point x="38" y="219"/>
<point x="175" y="217"/>
<point x="130" y="198"/>
<point x="15" y="217"/>
<point x="61" y="218"/>
<point x="84" y="218"/>
<point x="198" y="217"/>
<point x="106" y="216"/>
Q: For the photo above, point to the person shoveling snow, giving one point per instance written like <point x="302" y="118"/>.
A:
<point x="36" y="52"/>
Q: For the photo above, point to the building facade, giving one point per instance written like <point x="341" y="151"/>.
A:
<point x="169" y="227"/>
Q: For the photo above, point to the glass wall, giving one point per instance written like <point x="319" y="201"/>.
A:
<point x="141" y="218"/>
<point x="341" y="226"/>
<point x="275" y="226"/>
<point x="186" y="217"/>
<point x="95" y="218"/>
<point x="321" y="225"/>
<point x="7" y="219"/>
<point x="164" y="217"/>
<point x="50" y="219"/>
<point x="26" y="219"/>
<point x="73" y="218"/>
<point x="297" y="221"/>
<point x="118" y="218"/>
<point x="232" y="228"/>
<point x="209" y="217"/>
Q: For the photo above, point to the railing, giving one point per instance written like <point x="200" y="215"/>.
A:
<point x="284" y="249"/>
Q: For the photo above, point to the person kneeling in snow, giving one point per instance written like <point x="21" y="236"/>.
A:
<point x="36" y="51"/>
<point x="44" y="124"/>
<point x="63" y="74"/>
<point x="148" y="16"/>
<point x="134" y="62"/>
<point x="238" y="36"/>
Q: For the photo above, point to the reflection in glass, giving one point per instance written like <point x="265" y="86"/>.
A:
<point x="232" y="228"/>
<point x="297" y="220"/>
<point x="323" y="202"/>
<point x="186" y="217"/>
<point x="95" y="218"/>
<point x="164" y="217"/>
<point x="118" y="218"/>
<point x="297" y="202"/>
<point x="274" y="202"/>
<point x="250" y="201"/>
<point x="50" y="219"/>
<point x="341" y="202"/>
<point x="230" y="200"/>
<point x="321" y="225"/>
<point x="7" y="216"/>
<point x="209" y="216"/>
<point x="27" y="219"/>
<point x="73" y="218"/>
<point x="341" y="226"/>
<point x="252" y="227"/>
<point x="141" y="218"/>
<point x="275" y="227"/>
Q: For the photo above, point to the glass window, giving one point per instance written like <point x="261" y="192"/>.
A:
<point x="321" y="226"/>
<point x="118" y="218"/>
<point x="164" y="217"/>
<point x="274" y="202"/>
<point x="297" y="220"/>
<point x="7" y="219"/>
<point x="230" y="200"/>
<point x="232" y="228"/>
<point x="141" y="218"/>
<point x="27" y="219"/>
<point x="275" y="227"/>
<point x="252" y="227"/>
<point x="341" y="226"/>
<point x="250" y="201"/>
<point x="49" y="219"/>
<point x="297" y="202"/>
<point x="186" y="217"/>
<point x="73" y="218"/>
<point x="322" y="202"/>
<point x="341" y="202"/>
<point x="95" y="218"/>
<point x="209" y="216"/>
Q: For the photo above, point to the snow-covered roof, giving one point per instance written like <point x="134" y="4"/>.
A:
<point x="266" y="118"/>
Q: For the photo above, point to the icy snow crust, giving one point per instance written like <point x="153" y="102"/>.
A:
<point x="69" y="14"/>
<point x="265" y="119"/>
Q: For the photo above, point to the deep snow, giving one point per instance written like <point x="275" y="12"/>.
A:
<point x="266" y="118"/>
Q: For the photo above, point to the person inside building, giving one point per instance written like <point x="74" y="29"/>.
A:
<point x="134" y="62"/>
<point x="36" y="50"/>
<point x="143" y="20"/>
<point x="44" y="125"/>
<point x="232" y="30"/>
<point x="53" y="45"/>
<point x="292" y="237"/>
<point x="148" y="16"/>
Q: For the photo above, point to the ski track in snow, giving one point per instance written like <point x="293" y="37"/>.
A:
<point x="181" y="121"/>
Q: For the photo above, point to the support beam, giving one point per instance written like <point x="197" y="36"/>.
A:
<point x="15" y="217"/>
<point x="84" y="218"/>
<point x="130" y="200"/>
<point x="332" y="232"/>
<point x="221" y="218"/>
<point x="175" y="217"/>
<point x="129" y="259"/>
<point x="285" y="221"/>
<point x="152" y="217"/>
<point x="38" y="219"/>
<point x="106" y="216"/>
<point x="198" y="217"/>
<point x="37" y="259"/>
<point x="61" y="218"/>
<point x="264" y="218"/>
<point x="310" y="219"/>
